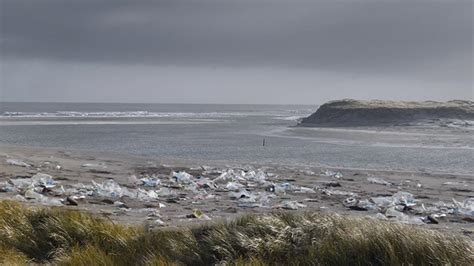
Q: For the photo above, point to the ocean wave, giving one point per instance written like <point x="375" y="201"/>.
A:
<point x="122" y="114"/>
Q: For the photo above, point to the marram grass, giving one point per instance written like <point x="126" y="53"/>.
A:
<point x="60" y="237"/>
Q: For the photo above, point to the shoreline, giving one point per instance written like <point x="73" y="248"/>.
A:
<point x="184" y="162"/>
<point x="322" y="191"/>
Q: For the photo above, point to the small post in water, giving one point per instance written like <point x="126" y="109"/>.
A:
<point x="263" y="142"/>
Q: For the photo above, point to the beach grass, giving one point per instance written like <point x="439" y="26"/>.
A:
<point x="65" y="237"/>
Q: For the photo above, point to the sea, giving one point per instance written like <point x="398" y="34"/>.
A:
<point x="244" y="134"/>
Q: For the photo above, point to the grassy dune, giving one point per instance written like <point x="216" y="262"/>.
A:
<point x="73" y="238"/>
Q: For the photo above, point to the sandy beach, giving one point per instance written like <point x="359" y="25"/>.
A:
<point x="427" y="198"/>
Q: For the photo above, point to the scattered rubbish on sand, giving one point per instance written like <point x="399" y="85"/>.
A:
<point x="380" y="181"/>
<point x="333" y="174"/>
<point x="110" y="189"/>
<point x="198" y="214"/>
<point x="335" y="192"/>
<point x="359" y="205"/>
<point x="43" y="180"/>
<point x="289" y="205"/>
<point x="94" y="165"/>
<point x="238" y="188"/>
<point x="150" y="181"/>
<point x="71" y="201"/>
<point x="182" y="177"/>
<point x="464" y="208"/>
<point x="234" y="186"/>
<point x="17" y="162"/>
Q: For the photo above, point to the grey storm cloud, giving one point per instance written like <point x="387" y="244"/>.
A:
<point x="325" y="34"/>
<point x="428" y="39"/>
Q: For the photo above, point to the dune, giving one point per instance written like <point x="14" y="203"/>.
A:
<point x="347" y="113"/>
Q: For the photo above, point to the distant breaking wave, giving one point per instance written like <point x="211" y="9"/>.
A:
<point x="130" y="114"/>
<point x="284" y="115"/>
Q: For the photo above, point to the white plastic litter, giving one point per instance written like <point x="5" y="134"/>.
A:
<point x="31" y="194"/>
<point x="43" y="180"/>
<point x="206" y="183"/>
<point x="464" y="208"/>
<point x="290" y="205"/>
<point x="17" y="163"/>
<point x="94" y="165"/>
<point x="240" y="194"/>
<point x="20" y="198"/>
<point x="164" y="191"/>
<point x="401" y="217"/>
<point x="7" y="187"/>
<point x="306" y="190"/>
<point x="110" y="189"/>
<point x="150" y="181"/>
<point x="404" y="198"/>
<point x="21" y="183"/>
<point x="330" y="173"/>
<point x="146" y="195"/>
<point x="182" y="177"/>
<point x="380" y="181"/>
<point x="234" y="186"/>
<point x="331" y="192"/>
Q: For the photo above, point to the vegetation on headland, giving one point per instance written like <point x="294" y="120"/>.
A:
<point x="353" y="113"/>
<point x="44" y="235"/>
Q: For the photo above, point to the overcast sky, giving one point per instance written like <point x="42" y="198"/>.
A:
<point x="223" y="51"/>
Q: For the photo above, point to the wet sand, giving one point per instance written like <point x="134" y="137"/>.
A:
<point x="328" y="195"/>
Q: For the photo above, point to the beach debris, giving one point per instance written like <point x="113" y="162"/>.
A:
<point x="157" y="222"/>
<point x="281" y="188"/>
<point x="404" y="198"/>
<point x="150" y="181"/>
<point x="307" y="172"/>
<point x="335" y="192"/>
<point x="431" y="219"/>
<point x="206" y="183"/>
<point x="17" y="162"/>
<point x="164" y="192"/>
<point x="394" y="214"/>
<point x="333" y="174"/>
<point x="7" y="187"/>
<point x="254" y="176"/>
<point x="121" y="204"/>
<point x="32" y="194"/>
<point x="381" y="216"/>
<point x="242" y="193"/>
<point x="20" y="198"/>
<point x="133" y="180"/>
<point x="359" y="205"/>
<point x="305" y="190"/>
<point x="94" y="165"/>
<point x="234" y="186"/>
<point x="20" y="183"/>
<point x="43" y="180"/>
<point x="332" y="183"/>
<point x="71" y="201"/>
<point x="290" y="205"/>
<point x="399" y="198"/>
<point x="146" y="195"/>
<point x="464" y="208"/>
<point x="110" y="189"/>
<point x="182" y="177"/>
<point x="198" y="214"/>
<point x="380" y="181"/>
<point x="455" y="184"/>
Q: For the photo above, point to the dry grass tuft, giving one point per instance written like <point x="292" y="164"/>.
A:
<point x="74" y="238"/>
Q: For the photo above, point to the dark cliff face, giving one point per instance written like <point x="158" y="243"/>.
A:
<point x="384" y="113"/>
